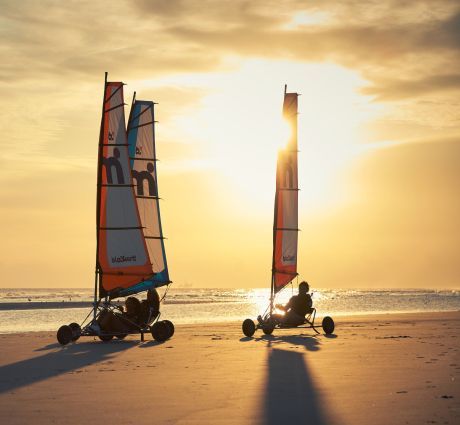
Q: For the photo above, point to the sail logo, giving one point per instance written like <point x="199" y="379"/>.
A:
<point x="111" y="138"/>
<point x="113" y="164"/>
<point x="138" y="150"/>
<point x="288" y="258"/>
<point x="147" y="175"/>
<point x="123" y="259"/>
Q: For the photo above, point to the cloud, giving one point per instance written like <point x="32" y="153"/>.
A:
<point x="158" y="37"/>
<point x="387" y="90"/>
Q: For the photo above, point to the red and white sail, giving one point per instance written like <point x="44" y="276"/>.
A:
<point x="122" y="257"/>
<point x="285" y="227"/>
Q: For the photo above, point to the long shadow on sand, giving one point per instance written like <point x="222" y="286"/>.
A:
<point x="309" y="342"/>
<point x="58" y="362"/>
<point x="290" y="396"/>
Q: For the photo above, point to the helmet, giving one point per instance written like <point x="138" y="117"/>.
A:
<point x="304" y="287"/>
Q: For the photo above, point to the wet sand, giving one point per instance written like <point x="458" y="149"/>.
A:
<point x="382" y="369"/>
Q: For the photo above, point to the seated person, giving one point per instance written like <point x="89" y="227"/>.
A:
<point x="132" y="312"/>
<point x="297" y="308"/>
<point x="149" y="308"/>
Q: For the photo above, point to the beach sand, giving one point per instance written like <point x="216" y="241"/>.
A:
<point x="381" y="369"/>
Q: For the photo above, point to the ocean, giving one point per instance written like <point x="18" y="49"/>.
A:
<point x="30" y="310"/>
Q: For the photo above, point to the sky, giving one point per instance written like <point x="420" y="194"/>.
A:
<point x="379" y="126"/>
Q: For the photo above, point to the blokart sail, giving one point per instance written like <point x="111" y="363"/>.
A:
<point x="130" y="254"/>
<point x="142" y="155"/>
<point x="285" y="225"/>
<point x="285" y="232"/>
<point x="122" y="257"/>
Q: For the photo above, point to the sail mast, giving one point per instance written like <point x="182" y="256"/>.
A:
<point x="98" y="196"/>
<point x="272" y="283"/>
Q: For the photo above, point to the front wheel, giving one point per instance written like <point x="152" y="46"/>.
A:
<point x="160" y="331"/>
<point x="248" y="327"/>
<point x="64" y="335"/>
<point x="76" y="331"/>
<point x="328" y="325"/>
<point x="170" y="326"/>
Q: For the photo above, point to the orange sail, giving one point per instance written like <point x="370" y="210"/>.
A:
<point x="285" y="226"/>
<point x="122" y="257"/>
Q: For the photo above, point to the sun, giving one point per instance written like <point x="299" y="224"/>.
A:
<point x="240" y="122"/>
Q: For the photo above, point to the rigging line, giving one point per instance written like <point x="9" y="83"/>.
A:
<point x="166" y="291"/>
<point x="287" y="229"/>
<point x="114" y="92"/>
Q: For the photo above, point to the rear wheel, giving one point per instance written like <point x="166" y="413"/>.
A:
<point x="170" y="326"/>
<point x="248" y="327"/>
<point x="105" y="338"/>
<point x="328" y="325"/>
<point x="76" y="331"/>
<point x="160" y="331"/>
<point x="64" y="335"/>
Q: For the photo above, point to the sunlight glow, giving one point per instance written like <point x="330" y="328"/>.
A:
<point x="239" y="120"/>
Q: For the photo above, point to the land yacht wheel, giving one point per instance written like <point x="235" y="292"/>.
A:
<point x="64" y="335"/>
<point x="170" y="326"/>
<point x="121" y="336"/>
<point x="76" y="331"/>
<point x="160" y="331"/>
<point x="105" y="338"/>
<point x="328" y="325"/>
<point x="268" y="328"/>
<point x="248" y="327"/>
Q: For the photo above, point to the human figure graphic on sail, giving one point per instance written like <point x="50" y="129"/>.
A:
<point x="297" y="308"/>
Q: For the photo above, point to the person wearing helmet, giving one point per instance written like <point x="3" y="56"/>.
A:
<point x="297" y="308"/>
<point x="150" y="308"/>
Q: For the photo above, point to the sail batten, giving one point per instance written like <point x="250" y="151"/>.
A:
<point x="285" y="225"/>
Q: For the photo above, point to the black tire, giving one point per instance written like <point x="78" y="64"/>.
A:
<point x="170" y="326"/>
<point x="64" y="335"/>
<point x="328" y="325"/>
<point x="160" y="331"/>
<point x="248" y="327"/>
<point x="268" y="328"/>
<point x="121" y="336"/>
<point x="76" y="331"/>
<point x="105" y="338"/>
